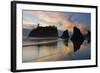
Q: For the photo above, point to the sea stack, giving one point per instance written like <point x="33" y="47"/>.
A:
<point x="88" y="36"/>
<point x="77" y="38"/>
<point x="65" y="35"/>
<point x="43" y="32"/>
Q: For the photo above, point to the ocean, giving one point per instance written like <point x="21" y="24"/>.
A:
<point x="46" y="50"/>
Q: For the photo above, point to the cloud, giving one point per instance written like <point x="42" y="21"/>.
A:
<point x="62" y="20"/>
<point x="52" y="17"/>
<point x="82" y="27"/>
<point x="57" y="18"/>
<point x="27" y="24"/>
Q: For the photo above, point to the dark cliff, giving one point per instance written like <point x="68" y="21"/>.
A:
<point x="50" y="31"/>
<point x="77" y="38"/>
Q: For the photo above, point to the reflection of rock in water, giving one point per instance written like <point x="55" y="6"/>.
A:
<point x="48" y="44"/>
<point x="53" y="44"/>
<point x="77" y="38"/>
<point x="40" y="43"/>
<point x="66" y="42"/>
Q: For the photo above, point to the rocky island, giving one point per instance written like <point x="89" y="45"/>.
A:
<point x="44" y="32"/>
<point x="77" y="38"/>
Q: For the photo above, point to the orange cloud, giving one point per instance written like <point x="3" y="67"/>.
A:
<point x="68" y="25"/>
<point x="53" y="17"/>
<point x="82" y="27"/>
<point x="57" y="17"/>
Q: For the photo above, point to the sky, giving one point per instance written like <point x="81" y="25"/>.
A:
<point x="62" y="20"/>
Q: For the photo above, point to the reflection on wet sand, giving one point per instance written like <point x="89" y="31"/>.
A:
<point x="58" y="50"/>
<point x="65" y="42"/>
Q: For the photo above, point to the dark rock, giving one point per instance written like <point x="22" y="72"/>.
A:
<point x="25" y="32"/>
<point x="88" y="36"/>
<point x="50" y="31"/>
<point x="77" y="39"/>
<point x="65" y="35"/>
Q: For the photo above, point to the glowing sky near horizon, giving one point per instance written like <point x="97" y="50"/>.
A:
<point x="62" y="20"/>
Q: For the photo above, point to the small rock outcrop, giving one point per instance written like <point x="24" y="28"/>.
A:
<point x="65" y="35"/>
<point x="88" y="36"/>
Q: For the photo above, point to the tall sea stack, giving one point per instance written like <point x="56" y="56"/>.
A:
<point x="77" y="38"/>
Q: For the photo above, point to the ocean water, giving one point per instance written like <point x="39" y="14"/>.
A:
<point x="44" y="50"/>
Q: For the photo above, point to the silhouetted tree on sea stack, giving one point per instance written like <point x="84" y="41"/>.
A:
<point x="77" y="38"/>
<point x="48" y="31"/>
